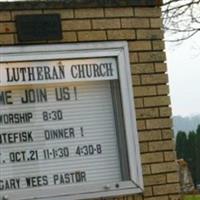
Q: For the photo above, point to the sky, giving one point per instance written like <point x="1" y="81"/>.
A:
<point x="183" y="63"/>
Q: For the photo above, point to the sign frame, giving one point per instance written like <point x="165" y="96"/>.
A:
<point x="119" y="50"/>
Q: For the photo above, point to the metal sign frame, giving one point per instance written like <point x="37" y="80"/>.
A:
<point x="133" y="182"/>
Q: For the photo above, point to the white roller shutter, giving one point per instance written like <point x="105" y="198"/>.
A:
<point x="89" y="144"/>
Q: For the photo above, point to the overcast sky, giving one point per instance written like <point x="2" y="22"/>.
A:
<point x="184" y="76"/>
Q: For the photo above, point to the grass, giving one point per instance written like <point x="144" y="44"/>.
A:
<point x="192" y="197"/>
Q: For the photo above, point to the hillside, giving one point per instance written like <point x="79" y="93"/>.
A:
<point x="185" y="123"/>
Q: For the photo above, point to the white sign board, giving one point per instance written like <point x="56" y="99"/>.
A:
<point x="58" y="71"/>
<point x="61" y="128"/>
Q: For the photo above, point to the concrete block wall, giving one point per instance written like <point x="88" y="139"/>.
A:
<point x="141" y="27"/>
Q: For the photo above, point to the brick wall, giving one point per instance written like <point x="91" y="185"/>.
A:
<point x="141" y="27"/>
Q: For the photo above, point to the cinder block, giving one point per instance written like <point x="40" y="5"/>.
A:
<point x="136" y="80"/>
<point x="5" y="16"/>
<point x="128" y="198"/>
<point x="138" y="197"/>
<point x="91" y="35"/>
<point x="71" y="25"/>
<point x="153" y="135"/>
<point x="64" y="14"/>
<point x="173" y="178"/>
<point x="121" y="34"/>
<point x="169" y="155"/>
<point x="106" y="24"/>
<point x="161" y="145"/>
<point x="156" y="101"/>
<point x="163" y="89"/>
<point x="133" y="56"/>
<point x="166" y="189"/>
<point x="139" y="46"/>
<point x="160" y="67"/>
<point x="149" y="34"/>
<point x="147" y="113"/>
<point x="118" y="12"/>
<point x="135" y="23"/>
<point x="69" y="37"/>
<point x="89" y="13"/>
<point x="6" y="39"/>
<point x="165" y="111"/>
<point x="148" y="12"/>
<point x="176" y="197"/>
<point x="152" y="79"/>
<point x="7" y="27"/>
<point x="146" y="169"/>
<point x="158" y="123"/>
<point x="152" y="157"/>
<point x="142" y="91"/>
<point x="148" y="191"/>
<point x="141" y="125"/>
<point x="156" y="23"/>
<point x="155" y="179"/>
<point x="152" y="56"/>
<point x="138" y="102"/>
<point x="24" y="12"/>
<point x="164" y="167"/>
<point x="158" y="198"/>
<point x="144" y="147"/>
<point x="144" y="68"/>
<point x="158" y="45"/>
<point x="167" y="134"/>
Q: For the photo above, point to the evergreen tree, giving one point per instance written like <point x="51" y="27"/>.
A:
<point x="188" y="148"/>
<point x="181" y="145"/>
<point x="197" y="149"/>
<point x="192" y="154"/>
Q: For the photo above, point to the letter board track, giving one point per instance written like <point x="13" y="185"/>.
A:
<point x="59" y="133"/>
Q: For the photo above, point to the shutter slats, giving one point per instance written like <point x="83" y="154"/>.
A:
<point x="92" y="113"/>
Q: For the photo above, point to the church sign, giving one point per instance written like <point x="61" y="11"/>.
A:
<point x="67" y="122"/>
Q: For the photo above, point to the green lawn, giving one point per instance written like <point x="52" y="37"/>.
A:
<point x="192" y="197"/>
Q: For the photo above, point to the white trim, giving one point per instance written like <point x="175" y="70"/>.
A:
<point x="119" y="50"/>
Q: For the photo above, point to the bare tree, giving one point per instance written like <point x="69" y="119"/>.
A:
<point x="181" y="19"/>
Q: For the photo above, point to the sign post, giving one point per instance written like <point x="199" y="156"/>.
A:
<point x="67" y="124"/>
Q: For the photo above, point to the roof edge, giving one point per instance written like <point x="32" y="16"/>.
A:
<point x="30" y="5"/>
